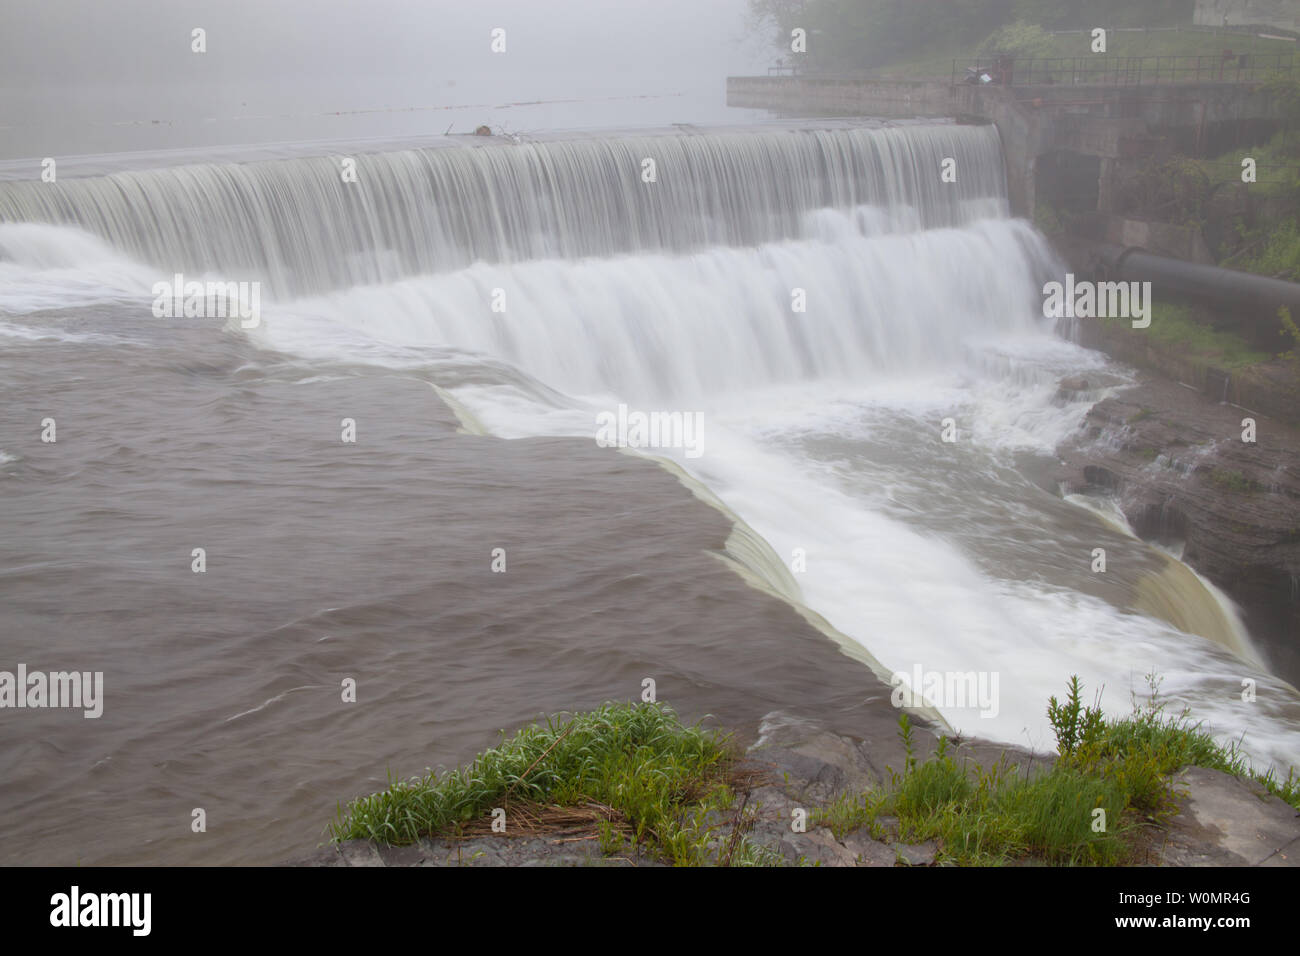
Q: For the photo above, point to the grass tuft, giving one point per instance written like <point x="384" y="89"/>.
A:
<point x="993" y="816"/>
<point x="632" y="778"/>
<point x="633" y="772"/>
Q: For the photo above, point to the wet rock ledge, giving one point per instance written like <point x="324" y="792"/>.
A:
<point x="1177" y="464"/>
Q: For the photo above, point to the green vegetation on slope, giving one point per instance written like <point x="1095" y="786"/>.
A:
<point x="1174" y="328"/>
<point x="645" y="780"/>
<point x="922" y="37"/>
<point x="648" y="780"/>
<point x="1249" y="226"/>
<point x="1186" y="333"/>
<point x="1029" y="40"/>
<point x="985" y="817"/>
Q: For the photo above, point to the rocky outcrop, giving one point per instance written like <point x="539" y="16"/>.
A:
<point x="799" y="765"/>
<point x="1229" y="821"/>
<point x="795" y="765"/>
<point x="804" y="767"/>
<point x="1177" y="464"/>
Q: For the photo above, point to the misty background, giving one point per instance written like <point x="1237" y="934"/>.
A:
<point x="91" y="76"/>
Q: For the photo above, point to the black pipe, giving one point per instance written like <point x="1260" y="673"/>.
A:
<point x="1243" y="299"/>
<point x="1192" y="282"/>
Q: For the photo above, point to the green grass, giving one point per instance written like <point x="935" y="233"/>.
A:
<point x="990" y="817"/>
<point x="993" y="816"/>
<point x="1276" y="252"/>
<point x="1197" y="193"/>
<point x="1267" y="247"/>
<point x="1175" y="328"/>
<point x="1172" y="326"/>
<point x="1277" y="166"/>
<point x="661" y="779"/>
<point x="1290" y="333"/>
<point x="667" y="786"/>
<point x="1170" y="743"/>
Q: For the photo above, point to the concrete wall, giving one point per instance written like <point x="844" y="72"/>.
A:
<point x="1114" y="123"/>
<point x="824" y="95"/>
<point x="1273" y="13"/>
<point x="1163" y="239"/>
<point x="1082" y="113"/>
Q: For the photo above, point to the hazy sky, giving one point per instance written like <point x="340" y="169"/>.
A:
<point x="100" y="75"/>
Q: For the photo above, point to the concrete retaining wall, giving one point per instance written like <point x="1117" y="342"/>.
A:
<point x="1112" y="122"/>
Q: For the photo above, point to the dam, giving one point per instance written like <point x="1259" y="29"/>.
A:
<point x="861" y="338"/>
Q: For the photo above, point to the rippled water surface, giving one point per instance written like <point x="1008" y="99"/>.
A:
<point x="473" y="312"/>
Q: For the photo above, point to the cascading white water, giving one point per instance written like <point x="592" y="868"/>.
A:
<point x="301" y="227"/>
<point x="681" y="328"/>
<point x="543" y="285"/>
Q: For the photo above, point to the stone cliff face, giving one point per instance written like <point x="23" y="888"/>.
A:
<point x="1177" y="464"/>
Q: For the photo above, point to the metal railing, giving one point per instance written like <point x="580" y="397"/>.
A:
<point x="1225" y="67"/>
<point x="1227" y="29"/>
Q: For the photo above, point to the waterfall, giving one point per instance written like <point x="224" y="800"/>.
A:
<point x="823" y="302"/>
<point x="300" y="227"/>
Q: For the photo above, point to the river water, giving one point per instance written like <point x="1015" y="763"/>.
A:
<point x="810" y="313"/>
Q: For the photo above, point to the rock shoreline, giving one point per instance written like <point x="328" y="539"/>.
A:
<point x="1173" y="459"/>
<point x="1223" y="820"/>
<point x="1175" y="462"/>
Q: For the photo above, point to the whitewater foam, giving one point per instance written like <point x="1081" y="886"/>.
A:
<point x="923" y="304"/>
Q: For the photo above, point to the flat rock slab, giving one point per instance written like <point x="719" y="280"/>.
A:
<point x="820" y="846"/>
<point x="869" y="852"/>
<point x="922" y="854"/>
<point x="1230" y="821"/>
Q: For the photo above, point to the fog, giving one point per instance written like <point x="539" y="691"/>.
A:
<point x="89" y="76"/>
